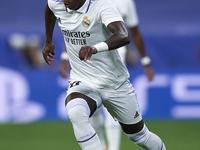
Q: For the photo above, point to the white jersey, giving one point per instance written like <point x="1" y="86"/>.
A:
<point x="128" y="11"/>
<point x="87" y="26"/>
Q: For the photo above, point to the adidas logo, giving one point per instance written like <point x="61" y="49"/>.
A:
<point x="136" y="114"/>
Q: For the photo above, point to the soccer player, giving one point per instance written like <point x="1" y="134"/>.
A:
<point x="93" y="30"/>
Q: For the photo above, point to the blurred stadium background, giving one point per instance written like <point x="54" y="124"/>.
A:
<point x="32" y="113"/>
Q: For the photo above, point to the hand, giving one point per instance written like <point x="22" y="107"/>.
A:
<point x="48" y="52"/>
<point x="86" y="52"/>
<point x="64" y="68"/>
<point x="149" y="72"/>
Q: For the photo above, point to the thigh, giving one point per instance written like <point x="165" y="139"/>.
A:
<point x="122" y="104"/>
<point x="79" y="89"/>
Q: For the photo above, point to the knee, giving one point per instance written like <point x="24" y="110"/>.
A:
<point x="77" y="116"/>
<point x="78" y="111"/>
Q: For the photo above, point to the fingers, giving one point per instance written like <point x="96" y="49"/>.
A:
<point x="48" y="52"/>
<point x="149" y="72"/>
<point x="86" y="52"/>
<point x="48" y="57"/>
<point x="48" y="60"/>
<point x="150" y="76"/>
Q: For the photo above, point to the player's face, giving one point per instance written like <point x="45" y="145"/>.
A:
<point x="73" y="4"/>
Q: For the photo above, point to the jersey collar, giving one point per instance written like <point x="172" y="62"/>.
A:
<point x="82" y="9"/>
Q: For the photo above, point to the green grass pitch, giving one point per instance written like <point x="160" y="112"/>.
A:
<point x="177" y="135"/>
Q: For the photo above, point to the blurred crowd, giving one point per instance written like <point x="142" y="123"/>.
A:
<point x="29" y="48"/>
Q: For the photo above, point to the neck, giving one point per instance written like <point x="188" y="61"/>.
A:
<point x="80" y="5"/>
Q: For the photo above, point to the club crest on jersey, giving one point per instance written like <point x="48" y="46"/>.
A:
<point x="86" y="22"/>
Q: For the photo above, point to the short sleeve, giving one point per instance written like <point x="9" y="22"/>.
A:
<point x="49" y="4"/>
<point x="131" y="18"/>
<point x="109" y="13"/>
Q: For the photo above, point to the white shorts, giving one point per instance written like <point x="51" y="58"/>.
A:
<point x="121" y="103"/>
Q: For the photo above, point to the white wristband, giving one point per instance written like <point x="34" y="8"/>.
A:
<point x="145" y="60"/>
<point x="101" y="47"/>
<point x="64" y="56"/>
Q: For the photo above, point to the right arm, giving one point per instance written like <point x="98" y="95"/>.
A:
<point x="48" y="50"/>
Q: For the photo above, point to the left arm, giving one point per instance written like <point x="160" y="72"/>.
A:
<point x="119" y="38"/>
